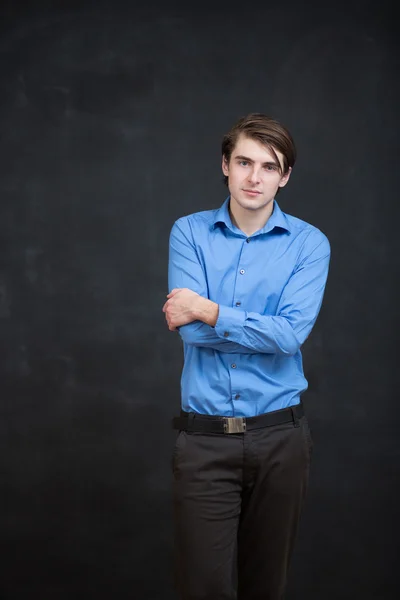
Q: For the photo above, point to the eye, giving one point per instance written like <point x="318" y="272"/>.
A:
<point x="243" y="163"/>
<point x="271" y="168"/>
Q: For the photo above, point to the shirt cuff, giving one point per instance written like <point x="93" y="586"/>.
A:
<point x="229" y="325"/>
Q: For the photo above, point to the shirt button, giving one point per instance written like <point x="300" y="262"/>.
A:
<point x="242" y="271"/>
<point x="233" y="366"/>
<point x="237" y="396"/>
<point x="238" y="303"/>
<point x="248" y="240"/>
<point x="226" y="333"/>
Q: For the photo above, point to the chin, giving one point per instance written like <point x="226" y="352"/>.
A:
<point x="249" y="206"/>
<point x="253" y="204"/>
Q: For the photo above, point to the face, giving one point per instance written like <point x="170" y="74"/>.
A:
<point x="254" y="175"/>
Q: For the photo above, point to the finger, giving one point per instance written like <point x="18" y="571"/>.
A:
<point x="173" y="292"/>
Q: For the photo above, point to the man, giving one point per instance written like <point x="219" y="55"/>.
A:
<point x="246" y="284"/>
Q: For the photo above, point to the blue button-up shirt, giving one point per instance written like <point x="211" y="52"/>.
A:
<point x="269" y="289"/>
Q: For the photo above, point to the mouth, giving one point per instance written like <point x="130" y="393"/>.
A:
<point x="251" y="192"/>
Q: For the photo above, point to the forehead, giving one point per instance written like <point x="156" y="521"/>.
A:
<point x="255" y="150"/>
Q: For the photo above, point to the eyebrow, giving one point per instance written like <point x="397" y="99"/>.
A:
<point x="266" y="164"/>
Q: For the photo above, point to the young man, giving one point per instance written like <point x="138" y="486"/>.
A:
<point x="246" y="284"/>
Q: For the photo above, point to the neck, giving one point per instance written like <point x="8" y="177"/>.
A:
<point x="250" y="221"/>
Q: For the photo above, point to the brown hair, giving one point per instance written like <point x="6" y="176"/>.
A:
<point x="265" y="130"/>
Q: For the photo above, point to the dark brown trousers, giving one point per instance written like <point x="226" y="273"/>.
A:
<point x="237" y="501"/>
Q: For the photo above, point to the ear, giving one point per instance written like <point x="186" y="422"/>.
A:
<point x="285" y="178"/>
<point x="225" y="166"/>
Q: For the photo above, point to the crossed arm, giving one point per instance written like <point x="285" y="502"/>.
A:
<point x="185" y="306"/>
<point x="202" y="322"/>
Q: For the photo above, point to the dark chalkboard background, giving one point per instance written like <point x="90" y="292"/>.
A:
<point x="111" y="120"/>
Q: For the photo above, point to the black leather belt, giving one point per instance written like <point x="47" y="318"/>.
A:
<point x="194" y="422"/>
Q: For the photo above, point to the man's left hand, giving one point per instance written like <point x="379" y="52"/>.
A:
<point x="180" y="308"/>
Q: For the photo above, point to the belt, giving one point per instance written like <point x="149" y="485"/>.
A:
<point x="194" y="422"/>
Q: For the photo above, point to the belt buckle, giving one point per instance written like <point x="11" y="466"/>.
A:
<point x="234" y="424"/>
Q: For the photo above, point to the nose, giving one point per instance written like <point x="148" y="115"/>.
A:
<point x="254" y="175"/>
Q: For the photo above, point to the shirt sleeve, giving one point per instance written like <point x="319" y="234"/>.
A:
<point x="186" y="271"/>
<point x="297" y="310"/>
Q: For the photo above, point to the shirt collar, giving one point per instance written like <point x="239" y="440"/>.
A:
<point x="277" y="219"/>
